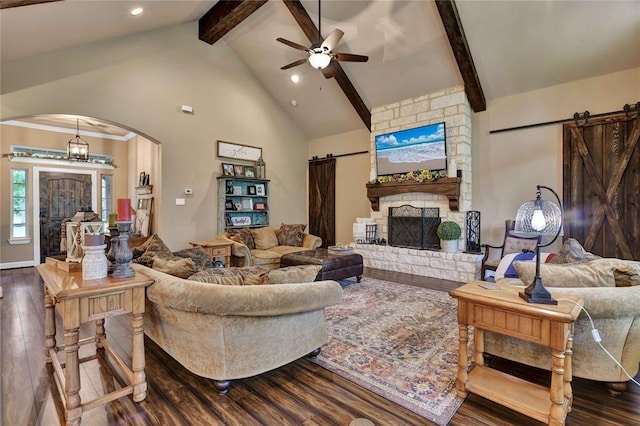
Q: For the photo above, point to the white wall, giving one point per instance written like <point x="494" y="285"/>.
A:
<point x="140" y="82"/>
<point x="507" y="166"/>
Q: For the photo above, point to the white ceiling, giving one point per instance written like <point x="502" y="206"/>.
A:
<point x="517" y="46"/>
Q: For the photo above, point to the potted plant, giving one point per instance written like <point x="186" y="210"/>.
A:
<point x="449" y="232"/>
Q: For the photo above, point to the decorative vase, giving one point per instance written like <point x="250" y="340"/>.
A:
<point x="94" y="262"/>
<point x="449" y="246"/>
<point x="123" y="252"/>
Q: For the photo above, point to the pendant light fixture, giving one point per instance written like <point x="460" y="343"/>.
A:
<point x="77" y="149"/>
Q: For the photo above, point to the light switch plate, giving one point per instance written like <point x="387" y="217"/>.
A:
<point x="180" y="202"/>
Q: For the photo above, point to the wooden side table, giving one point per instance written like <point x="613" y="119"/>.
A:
<point x="80" y="301"/>
<point x="216" y="248"/>
<point x="503" y="311"/>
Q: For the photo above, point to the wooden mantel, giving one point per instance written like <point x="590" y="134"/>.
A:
<point x="450" y="187"/>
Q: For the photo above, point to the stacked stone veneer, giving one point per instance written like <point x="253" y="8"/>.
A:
<point x="462" y="267"/>
<point x="452" y="107"/>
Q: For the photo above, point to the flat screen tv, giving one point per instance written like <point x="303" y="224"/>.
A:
<point x="422" y="148"/>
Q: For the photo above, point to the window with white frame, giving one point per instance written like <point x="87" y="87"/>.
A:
<point x="18" y="205"/>
<point x="106" y="198"/>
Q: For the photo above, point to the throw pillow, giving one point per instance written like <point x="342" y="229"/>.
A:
<point x="251" y="275"/>
<point x="199" y="256"/>
<point x="592" y="274"/>
<point x="506" y="267"/>
<point x="265" y="238"/>
<point x="155" y="248"/>
<point x="243" y="236"/>
<point x="217" y="276"/>
<point x="139" y="250"/>
<point x="573" y="252"/>
<point x="181" y="267"/>
<point x="291" y="235"/>
<point x="294" y="274"/>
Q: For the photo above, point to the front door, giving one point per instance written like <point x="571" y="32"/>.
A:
<point x="61" y="196"/>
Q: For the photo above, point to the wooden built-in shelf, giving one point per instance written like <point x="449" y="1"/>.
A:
<point x="450" y="187"/>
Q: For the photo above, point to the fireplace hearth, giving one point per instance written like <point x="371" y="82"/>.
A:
<point x="414" y="227"/>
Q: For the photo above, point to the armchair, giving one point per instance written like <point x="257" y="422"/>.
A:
<point x="512" y="244"/>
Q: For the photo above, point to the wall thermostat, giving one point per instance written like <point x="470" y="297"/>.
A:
<point x="188" y="191"/>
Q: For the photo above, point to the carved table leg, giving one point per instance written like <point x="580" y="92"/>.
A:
<point x="137" y="355"/>
<point x="556" y="413"/>
<point x="100" y="332"/>
<point x="49" y="325"/>
<point x="71" y="321"/>
<point x="478" y="344"/>
<point x="463" y="361"/>
<point x="568" y="372"/>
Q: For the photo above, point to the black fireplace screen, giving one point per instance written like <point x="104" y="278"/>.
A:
<point x="414" y="227"/>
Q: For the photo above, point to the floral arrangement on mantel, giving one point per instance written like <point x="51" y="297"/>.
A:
<point x="416" y="176"/>
<point x="53" y="157"/>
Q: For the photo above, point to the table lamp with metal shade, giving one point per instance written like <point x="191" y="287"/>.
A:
<point x="539" y="218"/>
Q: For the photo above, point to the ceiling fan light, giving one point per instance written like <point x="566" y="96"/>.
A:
<point x="319" y="60"/>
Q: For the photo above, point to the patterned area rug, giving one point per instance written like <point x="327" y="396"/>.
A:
<point x="398" y="341"/>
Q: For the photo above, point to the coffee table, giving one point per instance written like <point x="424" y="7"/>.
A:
<point x="334" y="266"/>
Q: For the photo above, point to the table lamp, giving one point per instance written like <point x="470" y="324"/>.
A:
<point x="539" y="218"/>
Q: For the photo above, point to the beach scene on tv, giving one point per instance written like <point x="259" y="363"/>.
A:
<point x="422" y="148"/>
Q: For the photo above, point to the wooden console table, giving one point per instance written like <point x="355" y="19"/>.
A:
<point x="216" y="248"/>
<point x="81" y="301"/>
<point x="503" y="311"/>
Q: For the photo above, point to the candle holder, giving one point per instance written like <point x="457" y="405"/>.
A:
<point x="123" y="253"/>
<point x="113" y="247"/>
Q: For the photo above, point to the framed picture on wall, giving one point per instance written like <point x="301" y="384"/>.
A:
<point x="238" y="151"/>
<point x="260" y="189"/>
<point x="260" y="206"/>
<point x="251" y="190"/>
<point x="238" y="170"/>
<point x="249" y="171"/>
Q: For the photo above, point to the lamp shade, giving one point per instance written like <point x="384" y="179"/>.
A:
<point x="538" y="217"/>
<point x="319" y="60"/>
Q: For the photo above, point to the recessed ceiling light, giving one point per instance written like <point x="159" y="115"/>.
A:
<point x="294" y="103"/>
<point x="295" y="78"/>
<point x="137" y="11"/>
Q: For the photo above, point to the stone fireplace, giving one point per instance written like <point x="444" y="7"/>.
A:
<point x="452" y="196"/>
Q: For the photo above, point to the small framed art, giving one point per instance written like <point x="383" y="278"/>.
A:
<point x="251" y="190"/>
<point x="260" y="206"/>
<point x="247" y="204"/>
<point x="260" y="189"/>
<point x="227" y="169"/>
<point x="250" y="171"/>
<point x="241" y="220"/>
<point x="238" y="170"/>
<point x="228" y="205"/>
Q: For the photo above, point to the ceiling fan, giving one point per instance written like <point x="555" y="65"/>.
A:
<point x="321" y="54"/>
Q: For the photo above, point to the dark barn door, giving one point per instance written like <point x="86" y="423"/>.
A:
<point x="61" y="196"/>
<point x="322" y="200"/>
<point x="601" y="173"/>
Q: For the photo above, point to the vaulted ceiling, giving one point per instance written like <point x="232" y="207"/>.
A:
<point x="515" y="46"/>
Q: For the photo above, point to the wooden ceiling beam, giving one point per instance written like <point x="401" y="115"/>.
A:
<point x="225" y="16"/>
<point x="334" y="70"/>
<point x="6" y="4"/>
<point x="458" y="41"/>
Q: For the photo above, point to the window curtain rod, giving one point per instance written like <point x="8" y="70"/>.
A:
<point x="586" y="116"/>
<point x="328" y="156"/>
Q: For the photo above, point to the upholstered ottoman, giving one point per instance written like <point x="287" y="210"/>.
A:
<point x="334" y="266"/>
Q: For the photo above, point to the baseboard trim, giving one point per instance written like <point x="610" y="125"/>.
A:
<point x="13" y="265"/>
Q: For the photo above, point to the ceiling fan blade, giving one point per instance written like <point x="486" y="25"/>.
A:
<point x="292" y="44"/>
<point x="348" y="57"/>
<point x="332" y="41"/>
<point x="294" y="64"/>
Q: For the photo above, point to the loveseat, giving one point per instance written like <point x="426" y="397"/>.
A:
<point x="265" y="246"/>
<point x="226" y="332"/>
<point x="610" y="289"/>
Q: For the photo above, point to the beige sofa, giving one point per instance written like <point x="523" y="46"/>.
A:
<point x="226" y="332"/>
<point x="610" y="289"/>
<point x="268" y="250"/>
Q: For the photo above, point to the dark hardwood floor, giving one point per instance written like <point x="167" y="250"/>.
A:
<point x="300" y="393"/>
